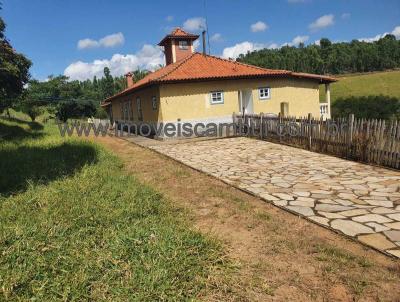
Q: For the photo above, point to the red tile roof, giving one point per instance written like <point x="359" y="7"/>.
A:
<point x="178" y="33"/>
<point x="199" y="67"/>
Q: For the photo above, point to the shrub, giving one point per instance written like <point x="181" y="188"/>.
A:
<point x="101" y="113"/>
<point x="370" y="107"/>
<point x="75" y="109"/>
<point x="33" y="111"/>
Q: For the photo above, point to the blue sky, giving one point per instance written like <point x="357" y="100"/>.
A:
<point x="123" y="34"/>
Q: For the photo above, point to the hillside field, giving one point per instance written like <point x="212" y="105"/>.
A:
<point x="386" y="83"/>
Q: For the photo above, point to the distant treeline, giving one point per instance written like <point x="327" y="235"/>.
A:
<point x="71" y="99"/>
<point x="330" y="58"/>
<point x="60" y="87"/>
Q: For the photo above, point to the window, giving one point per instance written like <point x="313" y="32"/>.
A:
<point x="217" y="97"/>
<point x="264" y="93"/>
<point x="183" y="45"/>
<point x="154" y="102"/>
<point x="139" y="109"/>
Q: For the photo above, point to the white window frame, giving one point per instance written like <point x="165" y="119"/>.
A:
<point x="212" y="96"/>
<point x="261" y="93"/>
<point x="183" y="46"/>
<point x="154" y="102"/>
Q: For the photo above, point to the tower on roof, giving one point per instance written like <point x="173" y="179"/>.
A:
<point x="177" y="45"/>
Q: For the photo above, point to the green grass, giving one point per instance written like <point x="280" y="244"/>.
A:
<point x="386" y="83"/>
<point x="75" y="227"/>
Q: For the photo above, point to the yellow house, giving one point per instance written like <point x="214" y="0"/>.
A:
<point x="195" y="87"/>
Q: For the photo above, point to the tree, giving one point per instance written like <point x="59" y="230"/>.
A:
<point x="75" y="109"/>
<point x="107" y="83"/>
<point x="330" y="58"/>
<point x="33" y="111"/>
<point x="14" y="71"/>
<point x="139" y="74"/>
<point x="72" y="99"/>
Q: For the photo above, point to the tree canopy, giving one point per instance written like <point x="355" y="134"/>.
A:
<point x="330" y="58"/>
<point x="14" y="71"/>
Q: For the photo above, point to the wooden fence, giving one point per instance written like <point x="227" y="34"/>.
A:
<point x="371" y="141"/>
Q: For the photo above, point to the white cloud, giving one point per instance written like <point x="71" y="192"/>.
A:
<point x="112" y="40"/>
<point x="258" y="26"/>
<point x="87" y="43"/>
<point x="346" y="15"/>
<point x="194" y="24"/>
<point x="149" y="57"/>
<point x="107" y="41"/>
<point x="296" y="41"/>
<point x="196" y="45"/>
<point x="317" y="42"/>
<point x="241" y="48"/>
<point x="373" y="39"/>
<point x="169" y="18"/>
<point x="395" y="32"/>
<point x="217" y="37"/>
<point x="322" y="22"/>
<point x="299" y="39"/>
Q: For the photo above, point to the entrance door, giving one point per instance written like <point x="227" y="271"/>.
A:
<point x="284" y="109"/>
<point x="246" y="101"/>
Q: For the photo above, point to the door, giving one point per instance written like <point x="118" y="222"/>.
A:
<point x="284" y="109"/>
<point x="246" y="101"/>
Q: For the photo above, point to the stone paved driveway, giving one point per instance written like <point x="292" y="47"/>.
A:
<point x="358" y="200"/>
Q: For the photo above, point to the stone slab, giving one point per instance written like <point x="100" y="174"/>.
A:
<point x="331" y="207"/>
<point x="393" y="225"/>
<point x="394" y="216"/>
<point x="305" y="211"/>
<point x="350" y="228"/>
<point x="372" y="217"/>
<point x="393" y="235"/>
<point x="377" y="241"/>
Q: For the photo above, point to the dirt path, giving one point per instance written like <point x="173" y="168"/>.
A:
<point x="277" y="256"/>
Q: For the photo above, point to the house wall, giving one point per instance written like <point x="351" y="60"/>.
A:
<point x="190" y="101"/>
<point x="145" y="95"/>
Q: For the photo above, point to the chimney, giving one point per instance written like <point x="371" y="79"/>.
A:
<point x="129" y="80"/>
<point x="204" y="42"/>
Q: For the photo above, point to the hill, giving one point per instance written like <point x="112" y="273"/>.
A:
<point x="376" y="83"/>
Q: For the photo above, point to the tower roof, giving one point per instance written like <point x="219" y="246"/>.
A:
<point x="178" y="33"/>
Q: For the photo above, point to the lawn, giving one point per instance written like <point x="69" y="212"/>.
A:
<point x="75" y="226"/>
<point x="376" y="83"/>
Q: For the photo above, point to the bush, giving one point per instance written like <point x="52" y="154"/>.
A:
<point x="370" y="107"/>
<point x="33" y="111"/>
<point x="101" y="113"/>
<point x="75" y="109"/>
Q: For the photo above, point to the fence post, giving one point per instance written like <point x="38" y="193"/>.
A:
<point x="350" y="134"/>
<point x="261" y="125"/>
<point x="278" y="125"/>
<point x="234" y="123"/>
<point x="309" y="131"/>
